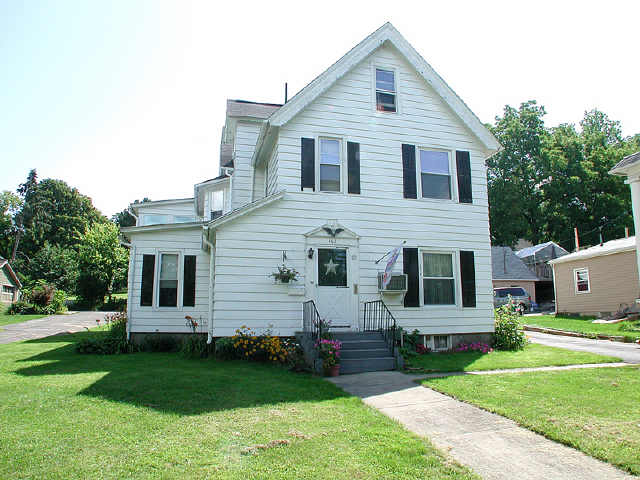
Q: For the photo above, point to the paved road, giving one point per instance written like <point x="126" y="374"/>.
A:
<point x="493" y="446"/>
<point x="629" y="352"/>
<point x="47" y="326"/>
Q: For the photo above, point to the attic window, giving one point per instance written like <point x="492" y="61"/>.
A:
<point x="385" y="90"/>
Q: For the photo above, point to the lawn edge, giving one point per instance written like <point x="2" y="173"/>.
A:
<point x="572" y="333"/>
<point x="531" y="427"/>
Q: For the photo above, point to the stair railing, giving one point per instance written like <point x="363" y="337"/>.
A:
<point x="311" y="321"/>
<point x="378" y="318"/>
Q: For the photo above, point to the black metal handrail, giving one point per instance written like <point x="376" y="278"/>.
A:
<point x="378" y="318"/>
<point x="311" y="321"/>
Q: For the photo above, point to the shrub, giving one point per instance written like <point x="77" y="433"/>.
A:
<point x="329" y="352"/>
<point x="160" y="343"/>
<point x="473" y="347"/>
<point x="114" y="305"/>
<point x="225" y="348"/>
<point x="41" y="294"/>
<point x="195" y="346"/>
<point x="261" y="348"/>
<point x="509" y="334"/>
<point x="115" y="340"/>
<point x="20" y="308"/>
<point x="43" y="299"/>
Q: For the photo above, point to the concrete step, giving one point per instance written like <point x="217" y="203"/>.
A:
<point x="367" y="353"/>
<point x="359" y="365"/>
<point x="363" y="344"/>
<point x="344" y="336"/>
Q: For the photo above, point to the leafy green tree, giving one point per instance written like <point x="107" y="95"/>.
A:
<point x="10" y="204"/>
<point x="102" y="261"/>
<point x="515" y="175"/>
<point x="124" y="218"/>
<point x="56" y="265"/>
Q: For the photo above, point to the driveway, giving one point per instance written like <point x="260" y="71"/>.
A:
<point x="629" y="352"/>
<point x="52" y="325"/>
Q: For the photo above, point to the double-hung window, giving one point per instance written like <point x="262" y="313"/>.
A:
<point x="385" y="90"/>
<point x="435" y="174"/>
<point x="330" y="165"/>
<point x="438" y="279"/>
<point x="168" y="280"/>
<point x="581" y="278"/>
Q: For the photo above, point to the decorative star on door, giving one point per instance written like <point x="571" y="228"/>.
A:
<point x="332" y="267"/>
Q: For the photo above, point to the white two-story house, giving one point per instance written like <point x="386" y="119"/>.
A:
<point x="375" y="153"/>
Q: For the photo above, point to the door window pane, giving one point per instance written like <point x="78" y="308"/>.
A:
<point x="168" y="291"/>
<point x="329" y="165"/>
<point x="435" y="175"/>
<point x="332" y="267"/>
<point x="438" y="279"/>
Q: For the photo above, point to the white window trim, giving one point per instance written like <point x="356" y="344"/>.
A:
<point x="156" y="281"/>
<point x="432" y="342"/>
<point x="457" y="281"/>
<point x="389" y="68"/>
<point x="453" y="175"/>
<point x="343" y="155"/>
<point x="575" y="280"/>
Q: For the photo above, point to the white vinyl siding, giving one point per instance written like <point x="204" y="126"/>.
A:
<point x="246" y="137"/>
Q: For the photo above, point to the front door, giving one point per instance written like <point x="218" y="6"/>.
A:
<point x="335" y="299"/>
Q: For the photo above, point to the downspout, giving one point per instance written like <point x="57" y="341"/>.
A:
<point x="212" y="268"/>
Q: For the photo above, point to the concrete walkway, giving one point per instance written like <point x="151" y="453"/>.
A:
<point x="51" y="325"/>
<point x="628" y="352"/>
<point x="493" y="446"/>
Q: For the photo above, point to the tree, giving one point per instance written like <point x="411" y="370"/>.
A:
<point x="102" y="261"/>
<point x="124" y="218"/>
<point x="10" y="204"/>
<point x="56" y="265"/>
<point x="515" y="175"/>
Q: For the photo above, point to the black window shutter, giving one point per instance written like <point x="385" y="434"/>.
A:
<point x="410" y="267"/>
<point x="308" y="167"/>
<point x="409" y="171"/>
<point x="189" y="285"/>
<point x="468" y="278"/>
<point x="353" y="167"/>
<point x="463" y="166"/>
<point x="146" y="291"/>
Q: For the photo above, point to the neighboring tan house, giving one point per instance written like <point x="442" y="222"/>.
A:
<point x="9" y="284"/>
<point x="536" y="258"/>
<point x="597" y="280"/>
<point x="629" y="167"/>
<point x="376" y="153"/>
<point x="510" y="271"/>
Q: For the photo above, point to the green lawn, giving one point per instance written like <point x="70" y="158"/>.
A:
<point x="145" y="415"/>
<point x="9" y="319"/>
<point x="533" y="355"/>
<point x="580" y="325"/>
<point x="594" y="410"/>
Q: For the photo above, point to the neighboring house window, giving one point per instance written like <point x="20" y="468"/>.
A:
<point x="581" y="277"/>
<point x="435" y="174"/>
<point x="438" y="279"/>
<point x="385" y="90"/>
<point x="7" y="289"/>
<point x="330" y="165"/>
<point x="168" y="280"/>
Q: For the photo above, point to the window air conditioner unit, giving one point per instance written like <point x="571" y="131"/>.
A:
<point x="397" y="284"/>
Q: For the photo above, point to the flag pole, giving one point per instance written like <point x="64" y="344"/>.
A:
<point x="386" y="254"/>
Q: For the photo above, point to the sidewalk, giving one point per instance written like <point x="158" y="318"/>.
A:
<point x="493" y="446"/>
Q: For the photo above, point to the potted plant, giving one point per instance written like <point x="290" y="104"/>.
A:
<point x="329" y="351"/>
<point x="285" y="274"/>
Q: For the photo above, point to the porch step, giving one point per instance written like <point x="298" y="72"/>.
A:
<point x="346" y="336"/>
<point x="359" y="365"/>
<point x="366" y="353"/>
<point x="363" y="344"/>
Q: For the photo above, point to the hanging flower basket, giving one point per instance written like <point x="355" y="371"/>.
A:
<point x="285" y="274"/>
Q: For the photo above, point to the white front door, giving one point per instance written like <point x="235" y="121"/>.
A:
<point x="335" y="300"/>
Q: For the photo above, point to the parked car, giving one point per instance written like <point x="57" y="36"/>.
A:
<point x="519" y="295"/>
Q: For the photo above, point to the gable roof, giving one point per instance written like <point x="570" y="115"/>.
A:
<point x="4" y="263"/>
<point x="555" y="250"/>
<point x="507" y="266"/>
<point x="386" y="33"/>
<point x="245" y="108"/>
<point x="608" y="248"/>
<point x="628" y="161"/>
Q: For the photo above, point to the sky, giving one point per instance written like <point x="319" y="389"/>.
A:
<point x="126" y="99"/>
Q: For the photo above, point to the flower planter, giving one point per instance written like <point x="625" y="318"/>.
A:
<point x="332" y="371"/>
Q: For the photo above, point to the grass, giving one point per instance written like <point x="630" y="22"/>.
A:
<point x="145" y="415"/>
<point x="6" y="319"/>
<point x="581" y="325"/>
<point x="533" y="355"/>
<point x="594" y="410"/>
